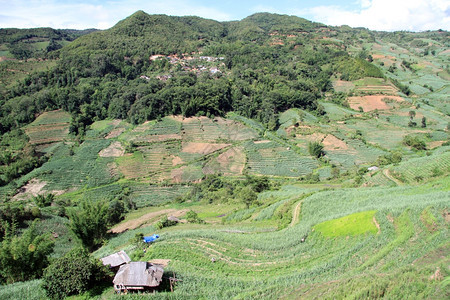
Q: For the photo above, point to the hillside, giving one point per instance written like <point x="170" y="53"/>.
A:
<point x="302" y="160"/>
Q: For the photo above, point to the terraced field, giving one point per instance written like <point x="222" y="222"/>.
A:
<point x="49" y="127"/>
<point x="270" y="158"/>
<point x="256" y="261"/>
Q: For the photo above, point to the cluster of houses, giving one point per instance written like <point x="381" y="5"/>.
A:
<point x="186" y="65"/>
<point x="133" y="276"/>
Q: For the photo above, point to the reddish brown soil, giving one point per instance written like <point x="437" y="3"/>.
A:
<point x="202" y="148"/>
<point x="369" y="103"/>
<point x="332" y="143"/>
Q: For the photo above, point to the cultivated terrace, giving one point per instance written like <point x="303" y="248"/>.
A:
<point x="274" y="157"/>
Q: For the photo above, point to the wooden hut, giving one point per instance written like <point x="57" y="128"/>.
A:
<point x="114" y="261"/>
<point x="138" y="275"/>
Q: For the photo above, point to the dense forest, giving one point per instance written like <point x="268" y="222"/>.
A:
<point x="108" y="74"/>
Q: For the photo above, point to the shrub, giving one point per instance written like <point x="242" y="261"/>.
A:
<point x="414" y="142"/>
<point x="192" y="217"/>
<point x="24" y="257"/>
<point x="165" y="222"/>
<point x="315" y="149"/>
<point x="43" y="201"/>
<point x="72" y="274"/>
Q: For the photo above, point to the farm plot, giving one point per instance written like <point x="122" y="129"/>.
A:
<point x="378" y="179"/>
<point x="373" y="227"/>
<point x="343" y="86"/>
<point x="373" y="86"/>
<point x="145" y="195"/>
<point x="205" y="129"/>
<point x="356" y="154"/>
<point x="84" y="168"/>
<point x="49" y="127"/>
<point x="230" y="162"/>
<point x="147" y="160"/>
<point x="108" y="129"/>
<point x="423" y="168"/>
<point x="189" y="173"/>
<point x="165" y="130"/>
<point x="369" y="103"/>
<point x="275" y="160"/>
<point x="336" y="112"/>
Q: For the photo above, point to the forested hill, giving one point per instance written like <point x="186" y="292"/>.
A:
<point x="149" y="66"/>
<point x="36" y="42"/>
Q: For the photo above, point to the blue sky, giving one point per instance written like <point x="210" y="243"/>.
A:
<point x="414" y="15"/>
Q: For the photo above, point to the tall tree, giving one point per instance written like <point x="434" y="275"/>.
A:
<point x="24" y="257"/>
<point x="89" y="222"/>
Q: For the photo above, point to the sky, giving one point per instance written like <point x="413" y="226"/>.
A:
<point x="386" y="15"/>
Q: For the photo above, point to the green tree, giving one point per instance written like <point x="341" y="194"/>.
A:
<point x="248" y="196"/>
<point x="89" y="222"/>
<point x="24" y="257"/>
<point x="315" y="149"/>
<point x="72" y="274"/>
<point x="424" y="122"/>
<point x="192" y="217"/>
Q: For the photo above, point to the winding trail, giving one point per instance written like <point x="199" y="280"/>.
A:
<point x="387" y="173"/>
<point x="296" y="213"/>
<point x="135" y="223"/>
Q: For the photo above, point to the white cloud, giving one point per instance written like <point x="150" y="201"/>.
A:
<point x="93" y="14"/>
<point x="389" y="15"/>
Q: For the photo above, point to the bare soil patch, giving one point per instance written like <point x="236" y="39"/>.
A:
<point x="177" y="175"/>
<point x="114" y="150"/>
<point x="202" y="148"/>
<point x="177" y="161"/>
<point x="115" y="133"/>
<point x="369" y="103"/>
<point x="262" y="142"/>
<point x="331" y="142"/>
<point x="136" y="223"/>
<point x="376" y="224"/>
<point x="315" y="137"/>
<point x="161" y="262"/>
<point x="232" y="161"/>
<point x="33" y="188"/>
<point x="343" y="86"/>
<point x="435" y="144"/>
<point x="296" y="213"/>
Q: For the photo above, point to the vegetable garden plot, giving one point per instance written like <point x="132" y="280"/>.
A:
<point x="423" y="168"/>
<point x="144" y="195"/>
<point x="147" y="160"/>
<point x="275" y="160"/>
<point x="84" y="168"/>
<point x="230" y="162"/>
<point x="49" y="127"/>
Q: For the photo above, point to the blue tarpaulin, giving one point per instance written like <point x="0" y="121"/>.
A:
<point x="152" y="238"/>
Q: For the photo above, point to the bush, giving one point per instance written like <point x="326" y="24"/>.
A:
<point x="24" y="257"/>
<point x="165" y="222"/>
<point x="315" y="149"/>
<point x="192" y="217"/>
<point x="89" y="222"/>
<point x="414" y="142"/>
<point x="72" y="274"/>
<point x="44" y="201"/>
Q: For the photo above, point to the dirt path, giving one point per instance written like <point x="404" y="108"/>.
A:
<point x="296" y="213"/>
<point x="376" y="224"/>
<point x="133" y="224"/>
<point x="387" y="173"/>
